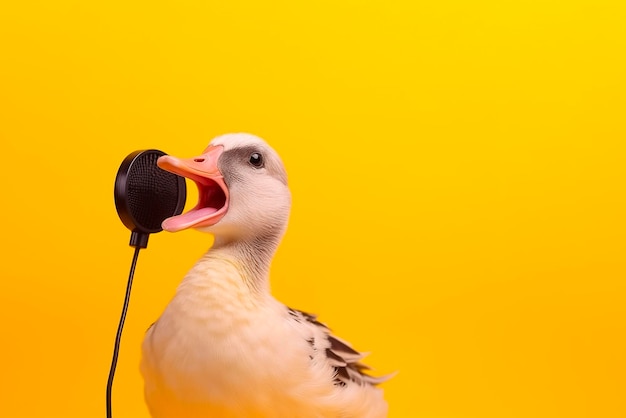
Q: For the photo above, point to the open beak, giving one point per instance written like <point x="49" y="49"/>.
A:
<point x="212" y="191"/>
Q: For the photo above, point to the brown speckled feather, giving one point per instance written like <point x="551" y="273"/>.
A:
<point x="339" y="354"/>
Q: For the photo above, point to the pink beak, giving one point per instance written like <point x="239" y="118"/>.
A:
<point x="213" y="196"/>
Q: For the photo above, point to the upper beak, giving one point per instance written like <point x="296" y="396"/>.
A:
<point x="204" y="165"/>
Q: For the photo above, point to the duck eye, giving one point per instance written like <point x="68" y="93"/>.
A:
<point x="256" y="160"/>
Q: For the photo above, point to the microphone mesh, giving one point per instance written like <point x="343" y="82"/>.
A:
<point x="152" y="193"/>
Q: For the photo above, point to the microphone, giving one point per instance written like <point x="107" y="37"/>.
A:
<point x="145" y="195"/>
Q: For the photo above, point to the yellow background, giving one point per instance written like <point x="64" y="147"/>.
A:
<point x="457" y="171"/>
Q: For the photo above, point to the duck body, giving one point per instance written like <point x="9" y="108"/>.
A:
<point x="225" y="347"/>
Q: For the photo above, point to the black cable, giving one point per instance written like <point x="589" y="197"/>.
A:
<point x="118" y="337"/>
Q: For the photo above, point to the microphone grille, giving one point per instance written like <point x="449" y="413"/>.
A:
<point x="152" y="192"/>
<point x="147" y="195"/>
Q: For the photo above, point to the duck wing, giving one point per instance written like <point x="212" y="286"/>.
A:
<point x="338" y="353"/>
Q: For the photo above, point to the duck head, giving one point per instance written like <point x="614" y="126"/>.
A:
<point x="242" y="190"/>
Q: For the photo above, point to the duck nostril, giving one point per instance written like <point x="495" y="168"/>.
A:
<point x="199" y="160"/>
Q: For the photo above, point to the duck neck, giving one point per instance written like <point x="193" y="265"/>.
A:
<point x="252" y="257"/>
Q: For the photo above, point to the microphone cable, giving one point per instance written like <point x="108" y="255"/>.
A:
<point x="120" y="327"/>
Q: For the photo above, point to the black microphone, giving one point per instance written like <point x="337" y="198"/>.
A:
<point x="145" y="195"/>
